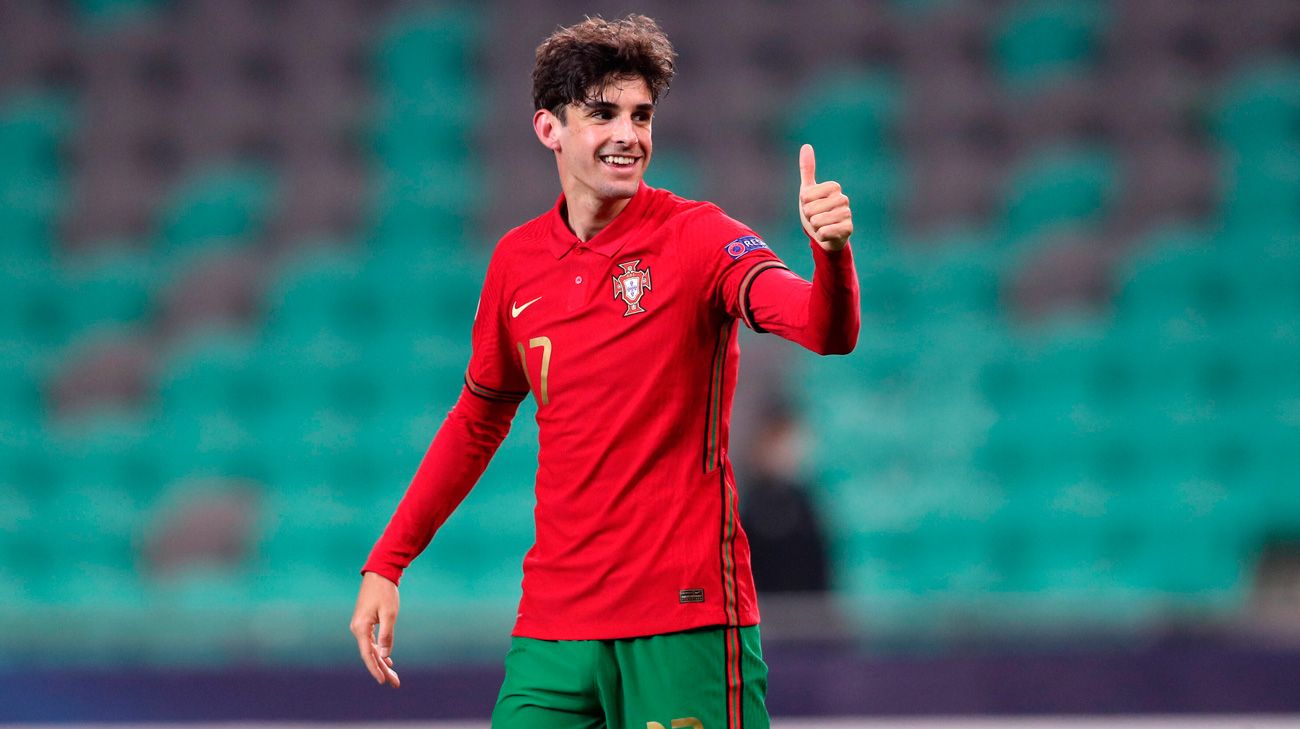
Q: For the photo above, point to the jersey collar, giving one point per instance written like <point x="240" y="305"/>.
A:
<point x="609" y="240"/>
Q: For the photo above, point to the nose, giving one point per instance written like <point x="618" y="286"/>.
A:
<point x="623" y="131"/>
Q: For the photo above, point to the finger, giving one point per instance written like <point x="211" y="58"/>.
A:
<point x="386" y="667"/>
<point x="836" y="232"/>
<point x="831" y="217"/>
<point x="378" y="662"/>
<point x="819" y="191"/>
<point x="368" y="657"/>
<point x="815" y="207"/>
<point x="807" y="166"/>
<point x="386" y="634"/>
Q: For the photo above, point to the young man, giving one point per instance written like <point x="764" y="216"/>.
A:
<point x="617" y="310"/>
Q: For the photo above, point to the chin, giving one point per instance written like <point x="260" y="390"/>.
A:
<point x="621" y="190"/>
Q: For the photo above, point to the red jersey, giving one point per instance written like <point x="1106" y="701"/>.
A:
<point x="628" y="344"/>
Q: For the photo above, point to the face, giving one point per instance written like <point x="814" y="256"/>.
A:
<point x="602" y="146"/>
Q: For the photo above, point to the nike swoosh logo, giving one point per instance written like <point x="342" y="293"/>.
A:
<point x="515" y="311"/>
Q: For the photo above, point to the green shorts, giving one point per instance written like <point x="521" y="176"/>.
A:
<point x="710" y="678"/>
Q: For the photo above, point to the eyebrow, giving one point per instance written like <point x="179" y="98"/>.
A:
<point x="611" y="106"/>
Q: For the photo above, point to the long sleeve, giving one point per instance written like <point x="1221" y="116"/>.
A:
<point x="455" y="460"/>
<point x="822" y="315"/>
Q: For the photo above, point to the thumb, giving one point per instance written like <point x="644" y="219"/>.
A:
<point x="807" y="166"/>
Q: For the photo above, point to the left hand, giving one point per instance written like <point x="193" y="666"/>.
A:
<point x="823" y="208"/>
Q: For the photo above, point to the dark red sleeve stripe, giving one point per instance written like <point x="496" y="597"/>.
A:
<point x="488" y="393"/>
<point x="743" y="293"/>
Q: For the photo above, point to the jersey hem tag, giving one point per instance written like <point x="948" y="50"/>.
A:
<point x="692" y="595"/>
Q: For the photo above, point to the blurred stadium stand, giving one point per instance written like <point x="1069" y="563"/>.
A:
<point x="242" y="244"/>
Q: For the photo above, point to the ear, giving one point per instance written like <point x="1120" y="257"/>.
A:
<point x="547" y="127"/>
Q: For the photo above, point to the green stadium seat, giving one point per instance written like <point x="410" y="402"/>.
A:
<point x="1060" y="187"/>
<point x="218" y="207"/>
<point x="429" y="53"/>
<point x="1217" y="288"/>
<point x="115" y="289"/>
<point x="32" y="132"/>
<point x="90" y="524"/>
<point x="111" y="587"/>
<point x="924" y="7"/>
<point x="35" y="310"/>
<point x="320" y="293"/>
<point x="1259" y="109"/>
<point x="421" y="43"/>
<point x="851" y="119"/>
<point x="403" y="225"/>
<point x="203" y="376"/>
<point x="436" y="195"/>
<point x="1263" y="190"/>
<point x="33" y="128"/>
<point x="675" y="172"/>
<point x="420" y="294"/>
<point x="960" y="272"/>
<point x="1039" y="41"/>
<point x="113" y="451"/>
<point x="890" y="292"/>
<point x="104" y="15"/>
<point x="848" y="115"/>
<point x="28" y="210"/>
<point x="315" y="527"/>
<point x="22" y="401"/>
<point x="403" y="139"/>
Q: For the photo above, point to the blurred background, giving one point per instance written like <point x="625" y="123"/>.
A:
<point x="241" y="243"/>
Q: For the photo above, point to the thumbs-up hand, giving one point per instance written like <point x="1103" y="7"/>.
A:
<point x="823" y="208"/>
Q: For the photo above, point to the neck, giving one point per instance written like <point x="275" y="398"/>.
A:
<point x="587" y="214"/>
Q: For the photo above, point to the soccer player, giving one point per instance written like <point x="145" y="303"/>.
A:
<point x="617" y="311"/>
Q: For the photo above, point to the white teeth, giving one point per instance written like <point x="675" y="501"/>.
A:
<point x="618" y="160"/>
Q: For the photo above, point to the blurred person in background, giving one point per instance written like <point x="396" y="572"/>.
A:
<point x="617" y="310"/>
<point x="786" y="540"/>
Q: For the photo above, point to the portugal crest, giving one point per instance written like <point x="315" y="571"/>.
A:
<point x="631" y="285"/>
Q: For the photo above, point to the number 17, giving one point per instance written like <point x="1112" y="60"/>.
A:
<point x="545" y="344"/>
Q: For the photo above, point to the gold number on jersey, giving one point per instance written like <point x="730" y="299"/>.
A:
<point x="545" y="344"/>
<point x="689" y="722"/>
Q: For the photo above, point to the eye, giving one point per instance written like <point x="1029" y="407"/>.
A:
<point x="602" y="114"/>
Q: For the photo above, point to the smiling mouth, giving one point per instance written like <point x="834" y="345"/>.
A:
<point x="618" y="160"/>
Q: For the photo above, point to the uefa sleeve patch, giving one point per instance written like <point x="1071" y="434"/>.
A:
<point x="743" y="245"/>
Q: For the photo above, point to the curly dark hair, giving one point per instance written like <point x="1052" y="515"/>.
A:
<point x="576" y="62"/>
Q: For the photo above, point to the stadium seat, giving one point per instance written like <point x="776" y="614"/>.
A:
<point x="1058" y="187"/>
<point x="33" y="128"/>
<point x="1041" y="40"/>
<point x="675" y="172"/>
<point x="1264" y="189"/>
<point x="35" y="310"/>
<point x="111" y="289"/>
<point x="319" y="292"/>
<point x="218" y="207"/>
<point x="103" y="15"/>
<point x="1259" y="109"/>
<point x="425" y="292"/>
<point x="849" y="115"/>
<point x="428" y="54"/>
<point x="203" y="376"/>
